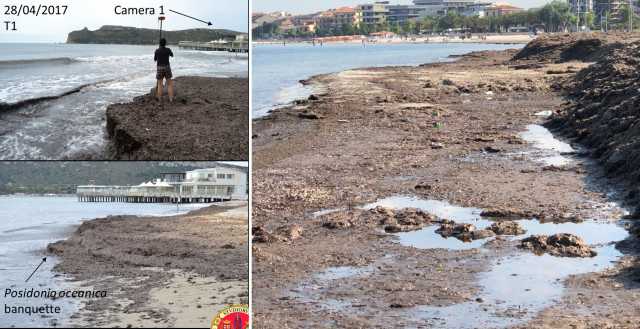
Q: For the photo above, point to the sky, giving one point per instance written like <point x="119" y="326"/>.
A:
<point x="310" y="6"/>
<point x="224" y="14"/>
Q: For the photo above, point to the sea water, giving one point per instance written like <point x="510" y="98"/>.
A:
<point x="277" y="69"/>
<point x="28" y="224"/>
<point x="74" y="124"/>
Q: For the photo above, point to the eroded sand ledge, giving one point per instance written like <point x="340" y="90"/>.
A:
<point x="442" y="132"/>
<point x="208" y="120"/>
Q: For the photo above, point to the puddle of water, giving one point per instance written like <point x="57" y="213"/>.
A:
<point x="593" y="232"/>
<point x="515" y="289"/>
<point x="511" y="292"/>
<point x="550" y="148"/>
<point x="340" y="272"/>
<point x="441" y="209"/>
<point x="542" y="138"/>
<point x="427" y="238"/>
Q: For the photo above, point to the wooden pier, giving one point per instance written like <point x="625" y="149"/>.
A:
<point x="134" y="194"/>
<point x="231" y="46"/>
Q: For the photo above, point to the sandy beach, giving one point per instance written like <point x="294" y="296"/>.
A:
<point x="510" y="38"/>
<point x="440" y="136"/>
<point x="208" y="120"/>
<point x="159" y="271"/>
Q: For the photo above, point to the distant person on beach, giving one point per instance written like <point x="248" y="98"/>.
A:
<point x="164" y="69"/>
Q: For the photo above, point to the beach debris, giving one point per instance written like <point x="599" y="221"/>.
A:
<point x="309" y="115"/>
<point x="508" y="213"/>
<point x="285" y="233"/>
<point x="339" y="220"/>
<point x="261" y="235"/>
<point x="313" y="98"/>
<point x="289" y="232"/>
<point x="423" y="186"/>
<point x="448" y="82"/>
<point x="561" y="244"/>
<point x="402" y="220"/>
<point x="437" y="146"/>
<point x="464" y="232"/>
<point x="491" y="149"/>
<point x="507" y="228"/>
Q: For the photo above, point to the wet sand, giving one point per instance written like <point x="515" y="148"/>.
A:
<point x="209" y="119"/>
<point x="446" y="132"/>
<point x="162" y="271"/>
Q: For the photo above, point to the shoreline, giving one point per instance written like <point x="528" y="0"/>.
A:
<point x="160" y="273"/>
<point x="490" y="39"/>
<point x="316" y="88"/>
<point x="441" y="131"/>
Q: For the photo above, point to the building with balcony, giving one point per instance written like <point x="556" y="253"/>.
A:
<point x="374" y="13"/>
<point x="501" y="8"/>
<point x="224" y="182"/>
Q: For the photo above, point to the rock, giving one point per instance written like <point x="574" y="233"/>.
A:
<point x="561" y="244"/>
<point x="507" y="228"/>
<point x="428" y="84"/>
<point x="313" y="98"/>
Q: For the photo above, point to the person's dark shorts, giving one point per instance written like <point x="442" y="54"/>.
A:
<point x="164" y="72"/>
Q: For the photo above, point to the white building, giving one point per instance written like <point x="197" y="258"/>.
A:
<point x="216" y="181"/>
<point x="224" y="182"/>
<point x="442" y="7"/>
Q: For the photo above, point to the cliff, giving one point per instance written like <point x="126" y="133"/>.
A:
<point x="110" y="34"/>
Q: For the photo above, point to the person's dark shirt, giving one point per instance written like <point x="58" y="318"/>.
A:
<point x="162" y="56"/>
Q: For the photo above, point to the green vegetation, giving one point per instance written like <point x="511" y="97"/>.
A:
<point x="135" y="36"/>
<point x="62" y="177"/>
<point x="553" y="17"/>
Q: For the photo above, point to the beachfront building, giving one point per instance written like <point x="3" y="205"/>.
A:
<point x="443" y="7"/>
<point x="374" y="13"/>
<point x="402" y="13"/>
<point x="501" y="8"/>
<point x="580" y="7"/>
<point x="610" y="12"/>
<point x="223" y="182"/>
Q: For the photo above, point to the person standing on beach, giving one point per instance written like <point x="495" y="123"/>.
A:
<point x="164" y="69"/>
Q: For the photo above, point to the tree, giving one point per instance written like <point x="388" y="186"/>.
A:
<point x="589" y="19"/>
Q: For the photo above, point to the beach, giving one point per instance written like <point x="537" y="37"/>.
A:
<point x="208" y="119"/>
<point x="54" y="97"/>
<point x="170" y="271"/>
<point x="506" y="38"/>
<point x="363" y="162"/>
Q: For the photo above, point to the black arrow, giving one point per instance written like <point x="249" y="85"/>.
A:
<point x="185" y="15"/>
<point x="34" y="271"/>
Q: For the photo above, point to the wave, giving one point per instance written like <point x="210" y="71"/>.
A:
<point x="38" y="61"/>
<point x="4" y="107"/>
